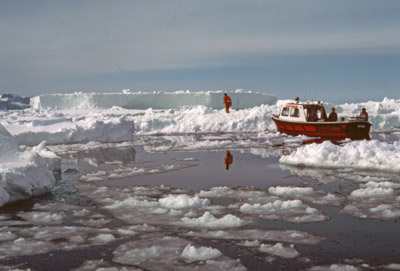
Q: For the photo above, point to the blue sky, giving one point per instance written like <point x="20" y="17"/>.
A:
<point x="340" y="51"/>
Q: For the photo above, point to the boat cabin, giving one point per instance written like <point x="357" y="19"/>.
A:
<point x="303" y="112"/>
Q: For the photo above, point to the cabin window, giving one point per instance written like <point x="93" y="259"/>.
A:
<point x="285" y="111"/>
<point x="319" y="113"/>
<point x="294" y="112"/>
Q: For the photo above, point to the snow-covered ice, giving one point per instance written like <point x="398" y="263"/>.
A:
<point x="173" y="253"/>
<point x="24" y="173"/>
<point x="361" y="155"/>
<point x="100" y="142"/>
<point x="279" y="250"/>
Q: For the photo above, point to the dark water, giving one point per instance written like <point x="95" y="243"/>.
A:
<point x="348" y="239"/>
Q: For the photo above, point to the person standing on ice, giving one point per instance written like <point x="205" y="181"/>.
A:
<point x="227" y="102"/>
<point x="364" y="114"/>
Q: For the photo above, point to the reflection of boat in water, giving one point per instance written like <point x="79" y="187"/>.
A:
<point x="310" y="119"/>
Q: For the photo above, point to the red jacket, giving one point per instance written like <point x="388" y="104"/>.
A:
<point x="227" y="100"/>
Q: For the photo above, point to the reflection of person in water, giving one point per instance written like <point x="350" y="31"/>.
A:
<point x="228" y="159"/>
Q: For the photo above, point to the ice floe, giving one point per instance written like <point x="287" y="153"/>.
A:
<point x="288" y="236"/>
<point x="207" y="220"/>
<point x="24" y="173"/>
<point x="279" y="250"/>
<point x="361" y="155"/>
<point x="173" y="253"/>
<point x="290" y="210"/>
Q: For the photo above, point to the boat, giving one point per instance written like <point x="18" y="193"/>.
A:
<point x="310" y="119"/>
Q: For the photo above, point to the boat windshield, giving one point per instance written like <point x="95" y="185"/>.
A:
<point x="314" y="112"/>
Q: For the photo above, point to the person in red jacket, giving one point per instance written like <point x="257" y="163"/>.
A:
<point x="227" y="102"/>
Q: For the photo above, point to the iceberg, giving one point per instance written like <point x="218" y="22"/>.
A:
<point x="155" y="100"/>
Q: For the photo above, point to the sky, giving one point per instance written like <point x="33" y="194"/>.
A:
<point x="338" y="51"/>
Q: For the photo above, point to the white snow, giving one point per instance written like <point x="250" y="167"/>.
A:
<point x="279" y="250"/>
<point x="375" y="192"/>
<point x="361" y="155"/>
<point x="42" y="217"/>
<point x="183" y="202"/>
<point x="191" y="253"/>
<point x="392" y="266"/>
<point x="24" y="173"/>
<point x="207" y="220"/>
<point x="172" y="253"/>
<point x="290" y="191"/>
<point x="335" y="267"/>
<point x="290" y="210"/>
<point x="99" y="120"/>
<point x="291" y="236"/>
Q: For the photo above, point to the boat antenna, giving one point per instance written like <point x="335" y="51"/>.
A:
<point x="305" y="90"/>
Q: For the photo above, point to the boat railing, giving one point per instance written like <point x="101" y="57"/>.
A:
<point x="356" y="118"/>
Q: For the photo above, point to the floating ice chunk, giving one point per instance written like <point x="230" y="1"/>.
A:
<point x="4" y="217"/>
<point x="385" y="211"/>
<point x="381" y="184"/>
<point x="288" y="236"/>
<point x="335" y="267"/>
<point x="373" y="202"/>
<point x="104" y="237"/>
<point x="372" y="192"/>
<point x="56" y="206"/>
<point x="80" y="213"/>
<point x="124" y="172"/>
<point x="207" y="220"/>
<point x="191" y="253"/>
<point x="290" y="191"/>
<point x="172" y="253"/>
<point x="279" y="250"/>
<point x="305" y="194"/>
<point x="24" y="246"/>
<point x="41" y="239"/>
<point x="392" y="266"/>
<point x="248" y="243"/>
<point x="290" y="210"/>
<point x="43" y="217"/>
<point x="6" y="236"/>
<point x="94" y="222"/>
<point x="183" y="202"/>
<point x="133" y="202"/>
<point x="101" y="265"/>
<point x="228" y="192"/>
<point x="364" y="155"/>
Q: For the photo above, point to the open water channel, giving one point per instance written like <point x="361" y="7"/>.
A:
<point x="137" y="206"/>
